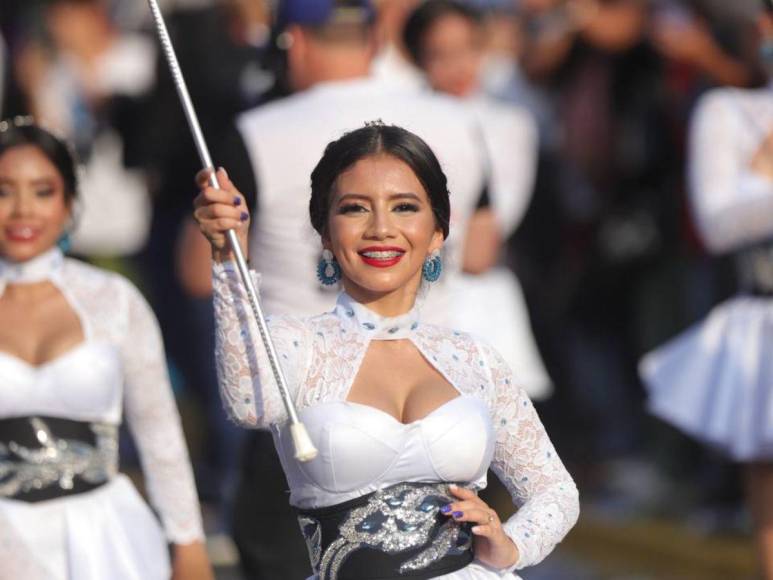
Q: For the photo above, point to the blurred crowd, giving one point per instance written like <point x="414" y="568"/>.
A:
<point x="584" y="108"/>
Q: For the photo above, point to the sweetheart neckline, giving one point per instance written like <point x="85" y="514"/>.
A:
<point x="48" y="363"/>
<point x="419" y="421"/>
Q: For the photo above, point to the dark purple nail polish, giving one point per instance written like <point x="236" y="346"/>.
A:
<point x="245" y="216"/>
<point x="445" y="509"/>
<point x="458" y="514"/>
<point x="237" y="200"/>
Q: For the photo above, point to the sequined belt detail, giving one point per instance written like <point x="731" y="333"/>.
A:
<point x="394" y="533"/>
<point x="43" y="458"/>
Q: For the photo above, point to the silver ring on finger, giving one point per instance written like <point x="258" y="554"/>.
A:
<point x="490" y="518"/>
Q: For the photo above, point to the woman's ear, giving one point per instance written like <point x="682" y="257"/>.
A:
<point x="436" y="243"/>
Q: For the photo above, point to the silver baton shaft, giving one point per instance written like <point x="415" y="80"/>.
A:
<point x="304" y="448"/>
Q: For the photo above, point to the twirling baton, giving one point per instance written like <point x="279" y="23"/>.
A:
<point x="304" y="448"/>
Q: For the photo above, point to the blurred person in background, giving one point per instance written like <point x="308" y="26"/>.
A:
<point x="444" y="40"/>
<point x="714" y="381"/>
<point x="224" y="50"/>
<point x="392" y="60"/>
<point x="330" y="50"/>
<point x="605" y="239"/>
<point x="89" y="84"/>
<point x="79" y="348"/>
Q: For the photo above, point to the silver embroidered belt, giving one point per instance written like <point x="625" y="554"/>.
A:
<point x="43" y="458"/>
<point x="394" y="533"/>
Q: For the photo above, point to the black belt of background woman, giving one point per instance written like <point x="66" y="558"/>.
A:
<point x="44" y="458"/>
<point x="394" y="533"/>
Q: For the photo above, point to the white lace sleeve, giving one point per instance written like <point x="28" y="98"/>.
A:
<point x="732" y="205"/>
<point x="247" y="385"/>
<point x="527" y="464"/>
<point x="153" y="419"/>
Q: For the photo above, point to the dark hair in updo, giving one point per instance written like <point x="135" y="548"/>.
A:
<point x="19" y="134"/>
<point x="378" y="139"/>
<point x="424" y="17"/>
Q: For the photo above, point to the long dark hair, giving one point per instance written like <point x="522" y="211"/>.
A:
<point x="373" y="139"/>
<point x="22" y="132"/>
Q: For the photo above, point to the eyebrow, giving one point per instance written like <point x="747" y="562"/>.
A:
<point x="39" y="181"/>
<point x="393" y="196"/>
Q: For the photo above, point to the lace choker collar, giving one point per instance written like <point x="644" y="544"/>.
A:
<point x="38" y="269"/>
<point x="375" y="326"/>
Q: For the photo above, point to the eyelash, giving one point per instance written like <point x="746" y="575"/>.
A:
<point x="45" y="192"/>
<point x="353" y="207"/>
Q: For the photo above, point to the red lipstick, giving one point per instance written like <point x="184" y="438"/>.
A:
<point x="381" y="256"/>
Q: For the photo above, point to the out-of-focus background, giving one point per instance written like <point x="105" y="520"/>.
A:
<point x="607" y="252"/>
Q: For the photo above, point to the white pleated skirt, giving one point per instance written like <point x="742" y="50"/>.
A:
<point x="492" y="306"/>
<point x="107" y="533"/>
<point x="715" y="381"/>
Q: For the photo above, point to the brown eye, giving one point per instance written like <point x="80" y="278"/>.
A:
<point x="351" y="208"/>
<point x="407" y="207"/>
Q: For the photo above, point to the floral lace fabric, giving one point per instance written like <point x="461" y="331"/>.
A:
<point x="113" y="312"/>
<point x="320" y="357"/>
<point x="117" y="313"/>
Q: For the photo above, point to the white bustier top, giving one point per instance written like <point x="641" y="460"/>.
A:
<point x="492" y="423"/>
<point x="119" y="369"/>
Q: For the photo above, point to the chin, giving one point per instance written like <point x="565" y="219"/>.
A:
<point x="16" y="252"/>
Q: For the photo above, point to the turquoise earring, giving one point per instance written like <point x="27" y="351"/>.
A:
<point x="432" y="267"/>
<point x="64" y="243"/>
<point x="328" y="270"/>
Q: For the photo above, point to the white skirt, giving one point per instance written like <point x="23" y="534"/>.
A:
<point x="715" y="381"/>
<point x="492" y="306"/>
<point x="107" y="533"/>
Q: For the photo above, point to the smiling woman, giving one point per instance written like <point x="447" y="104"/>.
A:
<point x="78" y="348"/>
<point x="407" y="416"/>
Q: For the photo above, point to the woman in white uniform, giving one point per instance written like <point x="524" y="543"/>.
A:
<point x="445" y="39"/>
<point x="398" y="409"/>
<point x="715" y="381"/>
<point x="79" y="348"/>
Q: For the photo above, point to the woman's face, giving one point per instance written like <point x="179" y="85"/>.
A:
<point x="381" y="228"/>
<point x="33" y="207"/>
<point x="451" y="55"/>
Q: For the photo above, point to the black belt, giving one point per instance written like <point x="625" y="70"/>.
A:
<point x="394" y="533"/>
<point x="44" y="458"/>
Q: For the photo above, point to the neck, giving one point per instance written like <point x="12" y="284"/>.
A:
<point x="341" y="65"/>
<point x="32" y="272"/>
<point x="386" y="304"/>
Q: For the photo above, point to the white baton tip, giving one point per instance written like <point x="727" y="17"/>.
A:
<point x="304" y="448"/>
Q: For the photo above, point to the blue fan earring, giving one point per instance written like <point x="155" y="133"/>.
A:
<point x="328" y="270"/>
<point x="432" y="267"/>
<point x="64" y="242"/>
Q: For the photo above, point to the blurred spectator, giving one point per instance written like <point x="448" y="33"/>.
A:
<point x="606" y="209"/>
<point x="713" y="381"/>
<point x="392" y="61"/>
<point x="89" y="87"/>
<point x="444" y="40"/>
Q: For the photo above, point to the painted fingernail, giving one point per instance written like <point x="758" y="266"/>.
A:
<point x="245" y="216"/>
<point x="237" y="200"/>
<point x="458" y="514"/>
<point x="445" y="509"/>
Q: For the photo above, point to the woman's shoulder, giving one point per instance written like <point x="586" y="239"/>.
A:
<point x="99" y="284"/>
